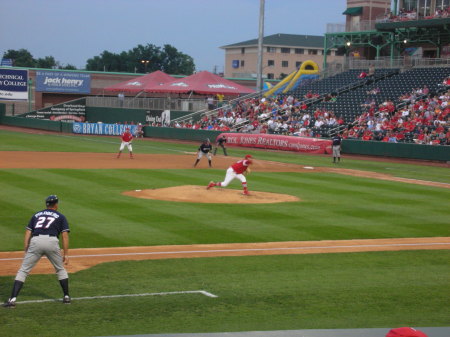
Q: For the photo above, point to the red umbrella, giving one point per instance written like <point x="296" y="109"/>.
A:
<point x="139" y="84"/>
<point x="203" y="82"/>
<point x="405" y="332"/>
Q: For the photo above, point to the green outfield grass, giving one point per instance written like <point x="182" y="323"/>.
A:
<point x="255" y="293"/>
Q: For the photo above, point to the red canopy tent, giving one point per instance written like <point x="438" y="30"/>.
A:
<point x="204" y="83"/>
<point x="139" y="84"/>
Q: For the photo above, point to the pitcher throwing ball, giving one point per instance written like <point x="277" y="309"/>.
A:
<point x="127" y="139"/>
<point x="236" y="171"/>
<point x="41" y="239"/>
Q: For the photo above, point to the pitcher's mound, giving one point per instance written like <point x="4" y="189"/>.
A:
<point x="199" y="194"/>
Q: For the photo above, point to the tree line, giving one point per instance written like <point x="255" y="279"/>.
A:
<point x="140" y="59"/>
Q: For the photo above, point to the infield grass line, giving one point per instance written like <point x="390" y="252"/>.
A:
<point x="202" y="292"/>
<point x="246" y="250"/>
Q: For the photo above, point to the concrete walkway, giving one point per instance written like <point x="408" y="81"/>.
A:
<point x="431" y="332"/>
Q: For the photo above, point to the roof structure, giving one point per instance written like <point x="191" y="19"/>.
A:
<point x="140" y="83"/>
<point x="203" y="82"/>
<point x="291" y="40"/>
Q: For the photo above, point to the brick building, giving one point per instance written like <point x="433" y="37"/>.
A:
<point x="282" y="54"/>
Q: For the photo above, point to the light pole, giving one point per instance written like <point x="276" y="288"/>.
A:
<point x="30" y="93"/>
<point x="145" y="63"/>
<point x="259" y="82"/>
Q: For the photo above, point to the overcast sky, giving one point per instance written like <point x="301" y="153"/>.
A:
<point x="73" y="31"/>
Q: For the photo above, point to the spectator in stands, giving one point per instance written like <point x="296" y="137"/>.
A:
<point x="210" y="102"/>
<point x="121" y="98"/>
<point x="362" y="75"/>
<point x="319" y="122"/>
<point x="371" y="72"/>
<point x="139" y="131"/>
<point x="446" y="82"/>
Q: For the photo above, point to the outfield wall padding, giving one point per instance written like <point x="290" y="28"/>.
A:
<point x="42" y="124"/>
<point x="398" y="150"/>
<point x="2" y="111"/>
<point x="114" y="115"/>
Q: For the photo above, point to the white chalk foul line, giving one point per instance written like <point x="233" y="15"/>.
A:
<point x="249" y="250"/>
<point x="203" y="292"/>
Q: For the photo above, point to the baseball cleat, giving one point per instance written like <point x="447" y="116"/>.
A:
<point x="9" y="304"/>
<point x="246" y="193"/>
<point x="210" y="185"/>
<point x="66" y="299"/>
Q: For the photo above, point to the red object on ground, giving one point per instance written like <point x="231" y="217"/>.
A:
<point x="405" y="332"/>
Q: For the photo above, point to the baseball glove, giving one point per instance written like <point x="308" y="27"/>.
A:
<point x="247" y="171"/>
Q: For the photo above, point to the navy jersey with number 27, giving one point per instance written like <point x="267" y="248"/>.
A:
<point x="48" y="222"/>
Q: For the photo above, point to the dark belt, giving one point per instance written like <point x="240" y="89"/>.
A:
<point x="45" y="235"/>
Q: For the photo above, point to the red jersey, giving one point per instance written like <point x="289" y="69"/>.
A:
<point x="127" y="136"/>
<point x="241" y="166"/>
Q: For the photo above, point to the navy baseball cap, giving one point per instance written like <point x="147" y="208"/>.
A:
<point x="51" y="199"/>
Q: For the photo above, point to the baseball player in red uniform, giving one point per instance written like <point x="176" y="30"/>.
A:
<point x="127" y="139"/>
<point x="236" y="171"/>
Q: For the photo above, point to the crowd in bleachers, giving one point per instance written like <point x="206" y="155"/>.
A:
<point x="417" y="116"/>
<point x="281" y="115"/>
<point x="251" y="115"/>
<point x="424" y="119"/>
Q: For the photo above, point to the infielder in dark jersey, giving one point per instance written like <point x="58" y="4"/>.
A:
<point x="221" y="142"/>
<point x="337" y="140"/>
<point x="41" y="238"/>
<point x="204" y="150"/>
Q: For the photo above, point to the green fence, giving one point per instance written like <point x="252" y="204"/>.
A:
<point x="114" y="115"/>
<point x="2" y="111"/>
<point x="42" y="124"/>
<point x="398" y="150"/>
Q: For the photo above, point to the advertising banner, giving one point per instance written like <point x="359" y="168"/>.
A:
<point x="73" y="111"/>
<point x="155" y="117"/>
<point x="103" y="129"/>
<point x="278" y="142"/>
<point x="13" y="85"/>
<point x="63" y="81"/>
<point x="6" y="63"/>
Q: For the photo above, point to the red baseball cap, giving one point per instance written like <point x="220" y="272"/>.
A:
<point x="405" y="332"/>
<point x="248" y="156"/>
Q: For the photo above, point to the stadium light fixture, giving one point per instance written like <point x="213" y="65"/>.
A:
<point x="145" y="63"/>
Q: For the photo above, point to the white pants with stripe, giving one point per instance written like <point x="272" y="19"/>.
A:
<point x="42" y="245"/>
<point x="127" y="144"/>
<point x="230" y="175"/>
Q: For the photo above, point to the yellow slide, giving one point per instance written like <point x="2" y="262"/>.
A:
<point x="302" y="71"/>
<point x="279" y="85"/>
<point x="294" y="77"/>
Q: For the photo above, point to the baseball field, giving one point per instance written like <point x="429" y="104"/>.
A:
<point x="360" y="244"/>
